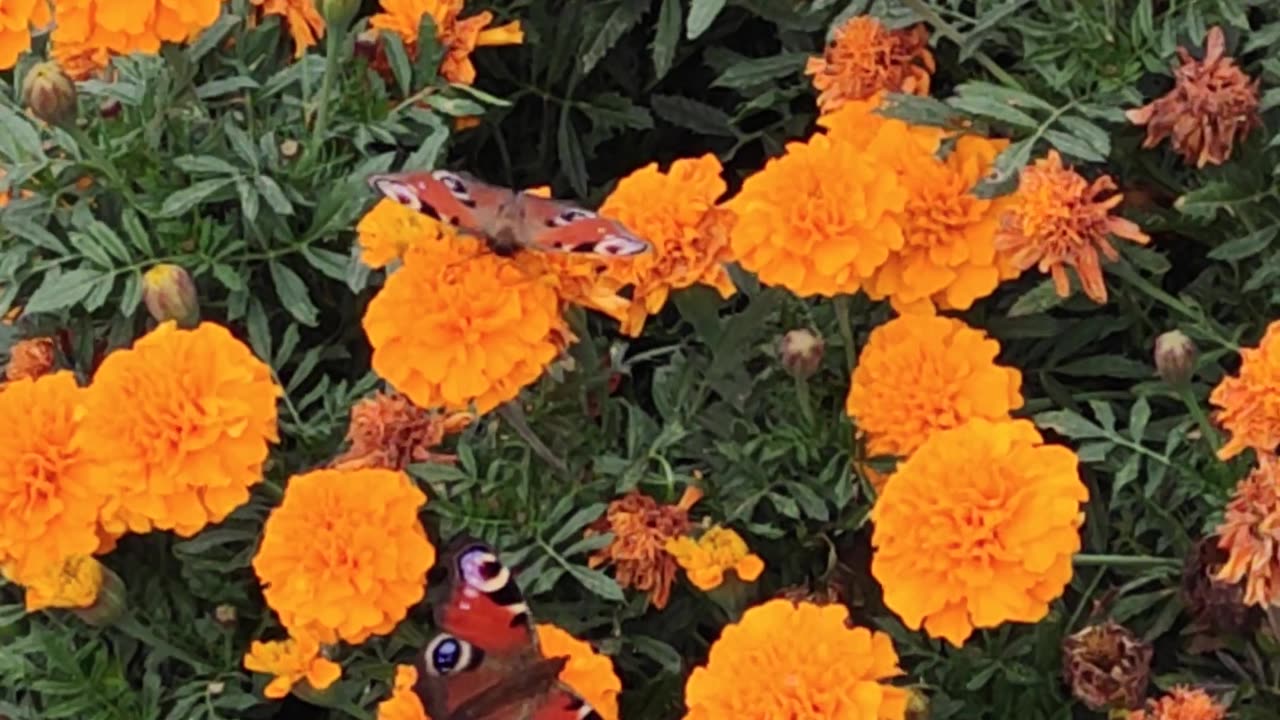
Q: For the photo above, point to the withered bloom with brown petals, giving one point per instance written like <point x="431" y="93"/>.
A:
<point x="30" y="358"/>
<point x="1215" y="607"/>
<point x="1250" y="533"/>
<point x="864" y="58"/>
<point x="388" y="431"/>
<point x="1212" y="106"/>
<point x="1107" y="667"/>
<point x="641" y="527"/>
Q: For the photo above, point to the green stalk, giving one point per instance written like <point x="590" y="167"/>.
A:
<point x="1129" y="561"/>
<point x="332" y="47"/>
<point x="1207" y="430"/>
<point x="846" y="330"/>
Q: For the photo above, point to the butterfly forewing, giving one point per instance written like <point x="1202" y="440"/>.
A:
<point x="454" y="198"/>
<point x="557" y="226"/>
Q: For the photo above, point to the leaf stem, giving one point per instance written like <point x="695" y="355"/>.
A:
<point x="1130" y="561"/>
<point x="1207" y="430"/>
<point x="846" y="331"/>
<point x="332" y="45"/>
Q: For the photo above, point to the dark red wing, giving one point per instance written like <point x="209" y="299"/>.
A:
<point x="484" y="605"/>
<point x="565" y="704"/>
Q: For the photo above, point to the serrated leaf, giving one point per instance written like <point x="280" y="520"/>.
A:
<point x="625" y="16"/>
<point x="993" y="109"/>
<point x="693" y="114"/>
<point x="328" y="262"/>
<point x="273" y="194"/>
<point x="1127" y="473"/>
<point x="1247" y="246"/>
<point x="293" y="294"/>
<point x="132" y="295"/>
<point x="1207" y="201"/>
<point x="207" y="164"/>
<point x="61" y="290"/>
<point x="701" y="14"/>
<point x="1139" y="416"/>
<point x="19" y="141"/>
<point x="665" y="40"/>
<point x="658" y="651"/>
<point x="1003" y="177"/>
<point x="138" y="235"/>
<point x="189" y="197"/>
<point x="1106" y="417"/>
<point x="35" y="234"/>
<point x="576" y="522"/>
<point x="1071" y="145"/>
<point x="108" y="240"/>
<point x="569" y="148"/>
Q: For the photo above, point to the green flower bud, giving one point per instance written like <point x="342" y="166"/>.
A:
<point x="1175" y="356"/>
<point x="49" y="93"/>
<point x="170" y="294"/>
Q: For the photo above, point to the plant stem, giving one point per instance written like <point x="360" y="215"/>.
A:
<point x="1207" y="430"/>
<point x="944" y="28"/>
<point x="802" y="397"/>
<point x="332" y="48"/>
<point x="1086" y="560"/>
<point x="846" y="330"/>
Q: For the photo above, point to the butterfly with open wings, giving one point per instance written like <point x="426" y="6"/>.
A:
<point x="485" y="664"/>
<point x="508" y="220"/>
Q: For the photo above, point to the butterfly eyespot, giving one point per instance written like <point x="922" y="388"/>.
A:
<point x="617" y="245"/>
<point x="446" y="654"/>
<point x="572" y="215"/>
<point x="452" y="183"/>
<point x="482" y="570"/>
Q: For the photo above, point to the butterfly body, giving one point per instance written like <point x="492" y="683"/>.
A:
<point x="508" y="220"/>
<point x="486" y="664"/>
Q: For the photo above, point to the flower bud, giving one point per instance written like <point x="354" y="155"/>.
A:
<point x="337" y="14"/>
<point x="49" y="93"/>
<point x="1175" y="356"/>
<point x="110" y="603"/>
<point x="170" y="294"/>
<point x="801" y="353"/>
<point x="225" y="615"/>
<point x="1107" y="667"/>
<point x="917" y="704"/>
<point x="289" y="149"/>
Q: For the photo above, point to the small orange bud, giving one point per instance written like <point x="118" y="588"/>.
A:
<point x="50" y="93"/>
<point x="801" y="352"/>
<point x="1175" y="356"/>
<point x="30" y="358"/>
<point x="170" y="294"/>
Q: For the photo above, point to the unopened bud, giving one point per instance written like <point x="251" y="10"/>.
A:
<point x="215" y="687"/>
<point x="289" y="149"/>
<point x="337" y="14"/>
<point x="170" y="294"/>
<point x="49" y="93"/>
<point x="801" y="353"/>
<point x="1175" y="356"/>
<point x="225" y="615"/>
<point x="110" y="108"/>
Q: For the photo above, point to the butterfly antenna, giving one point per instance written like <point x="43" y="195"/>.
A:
<point x="513" y="413"/>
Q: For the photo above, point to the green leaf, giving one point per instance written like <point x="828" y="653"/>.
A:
<point x="211" y="37"/>
<point x="1127" y="473"/>
<point x="191" y="196"/>
<point x="225" y="86"/>
<point x="701" y="14"/>
<point x="1038" y="299"/>
<point x="1217" y="195"/>
<point x="1112" y="366"/>
<point x="1139" y="416"/>
<point x="1068" y="423"/>
<point x="1071" y="145"/>
<point x="427" y="155"/>
<point x="666" y="38"/>
<point x="693" y="114"/>
<point x="132" y="294"/>
<point x="1003" y="177"/>
<point x="1247" y="246"/>
<point x="138" y="235"/>
<point x="19" y="141"/>
<point x="328" y="262"/>
<point x="205" y="164"/>
<point x="1103" y="412"/>
<point x="293" y="293"/>
<point x="273" y="194"/>
<point x="625" y="16"/>
<point x="572" y="161"/>
<point x="430" y="52"/>
<point x="658" y="651"/>
<point x="576" y="522"/>
<point x="61" y="290"/>
<point x="398" y="59"/>
<point x="108" y="240"/>
<point x="596" y="582"/>
<point x="34" y="233"/>
<point x="762" y="70"/>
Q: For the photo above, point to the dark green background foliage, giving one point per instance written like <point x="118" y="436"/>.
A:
<point x="192" y="171"/>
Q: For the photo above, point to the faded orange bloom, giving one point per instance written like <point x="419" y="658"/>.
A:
<point x="641" y="528"/>
<point x="588" y="672"/>
<point x="718" y="551"/>
<point x="1250" y="401"/>
<point x="1058" y="219"/>
<point x="1182" y="703"/>
<point x="864" y="58"/>
<point x="1250" y="534"/>
<point x="89" y="32"/>
<point x="388" y="431"/>
<point x="17" y="17"/>
<point x="72" y="582"/>
<point x="1212" y="105"/>
<point x="404" y="703"/>
<point x="291" y="661"/>
<point x="303" y="20"/>
<point x="459" y="37"/>
<point x="30" y="358"/>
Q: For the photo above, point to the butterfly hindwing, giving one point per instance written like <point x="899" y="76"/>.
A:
<point x="556" y="226"/>
<point x="451" y="197"/>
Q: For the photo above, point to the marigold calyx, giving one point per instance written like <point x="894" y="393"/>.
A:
<point x="49" y="93"/>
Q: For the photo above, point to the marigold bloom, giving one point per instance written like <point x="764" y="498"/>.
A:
<point x="1250" y="401"/>
<point x="676" y="212"/>
<point x="30" y="358"/>
<point x="481" y="328"/>
<point x="588" y="672"/>
<point x="458" y="37"/>
<point x="291" y="661"/>
<point x="344" y="555"/>
<point x="787" y="660"/>
<point x="1182" y="703"/>
<point x="404" y="703"/>
<point x="16" y="20"/>
<point x="1058" y="219"/>
<point x="1250" y="533"/>
<point x="390" y="229"/>
<point x="719" y="550"/>
<point x="89" y="32"/>
<point x="388" y="431"/>
<point x="47" y="511"/>
<point x="71" y="582"/>
<point x="977" y="528"/>
<point x="303" y="21"/>
<point x="178" y="429"/>
<point x="641" y="528"/>
<point x="1212" y="105"/>
<point x="864" y="58"/>
<point x="922" y="373"/>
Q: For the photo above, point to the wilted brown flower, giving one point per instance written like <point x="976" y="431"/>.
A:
<point x="30" y="358"/>
<point x="641" y="528"/>
<point x="1182" y="703"/>
<point x="1107" y="666"/>
<point x="864" y="58"/>
<point x="1212" y="105"/>
<point x="1250" y="533"/>
<point x="1215" y="606"/>
<point x="388" y="431"/>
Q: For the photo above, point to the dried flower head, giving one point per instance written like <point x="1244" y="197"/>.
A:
<point x="17" y="17"/>
<point x="1250" y="400"/>
<point x="1107" y="666"/>
<point x="641" y="528"/>
<point x="1181" y="703"/>
<point x="787" y="660"/>
<point x="388" y="431"/>
<point x="977" y="528"/>
<point x="291" y="661"/>
<point x="30" y="359"/>
<point x="404" y="703"/>
<point x="1057" y="219"/>
<point x="1212" y="106"/>
<point x="864" y="58"/>
<point x="458" y="37"/>
<point x="1250" y="533"/>
<point x="89" y="32"/>
<point x="588" y="672"/>
<point x="717" y="551"/>
<point x="1215" y="607"/>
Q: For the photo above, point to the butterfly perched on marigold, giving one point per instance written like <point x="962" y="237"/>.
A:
<point x="486" y="664"/>
<point x="508" y="220"/>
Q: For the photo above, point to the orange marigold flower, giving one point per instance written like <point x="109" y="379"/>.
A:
<point x="47" y="510"/>
<point x="291" y="661"/>
<point x="481" y="327"/>
<point x="1250" y="533"/>
<point x="1058" y="219"/>
<point x="404" y="703"/>
<point x="789" y="660"/>
<point x="30" y="358"/>
<point x="458" y="37"/>
<point x="388" y="431"/>
<point x="1250" y="401"/>
<point x="390" y="229"/>
<point x="1212" y="105"/>
<point x="676" y="212"/>
<point x="588" y="672"/>
<point x="922" y="373"/>
<point x="641" y="528"/>
<point x="16" y="20"/>
<point x="178" y="428"/>
<point x="864" y="58"/>
<point x="89" y="32"/>
<point x="71" y="582"/>
<point x="719" y="550"/>
<point x="303" y="21"/>
<point x="977" y="528"/>
<point x="1182" y="703"/>
<point x="344" y="555"/>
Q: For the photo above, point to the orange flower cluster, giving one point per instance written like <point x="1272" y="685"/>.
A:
<point x="72" y="582"/>
<point x="403" y="703"/>
<point x="1182" y="703"/>
<point x="1250" y="534"/>
<point x="641" y="528"/>
<point x="1212" y="105"/>
<point x="291" y="661"/>
<point x="589" y="673"/>
<point x="920" y="374"/>
<point x="458" y="37"/>
<point x="387" y="431"/>
<point x="390" y="230"/>
<point x="977" y="528"/>
<point x="30" y="359"/>
<point x="865" y="58"/>
<point x="344" y="555"/>
<point x="1250" y="401"/>
<point x="301" y="17"/>
<point x="17" y="17"/>
<point x="719" y="550"/>
<point x="1057" y="219"/>
<point x="88" y="32"/>
<point x="787" y="660"/>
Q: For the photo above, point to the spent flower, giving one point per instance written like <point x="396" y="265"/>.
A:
<point x="1250" y="534"/>
<point x="1107" y="667"/>
<point x="864" y="58"/>
<point x="641" y="527"/>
